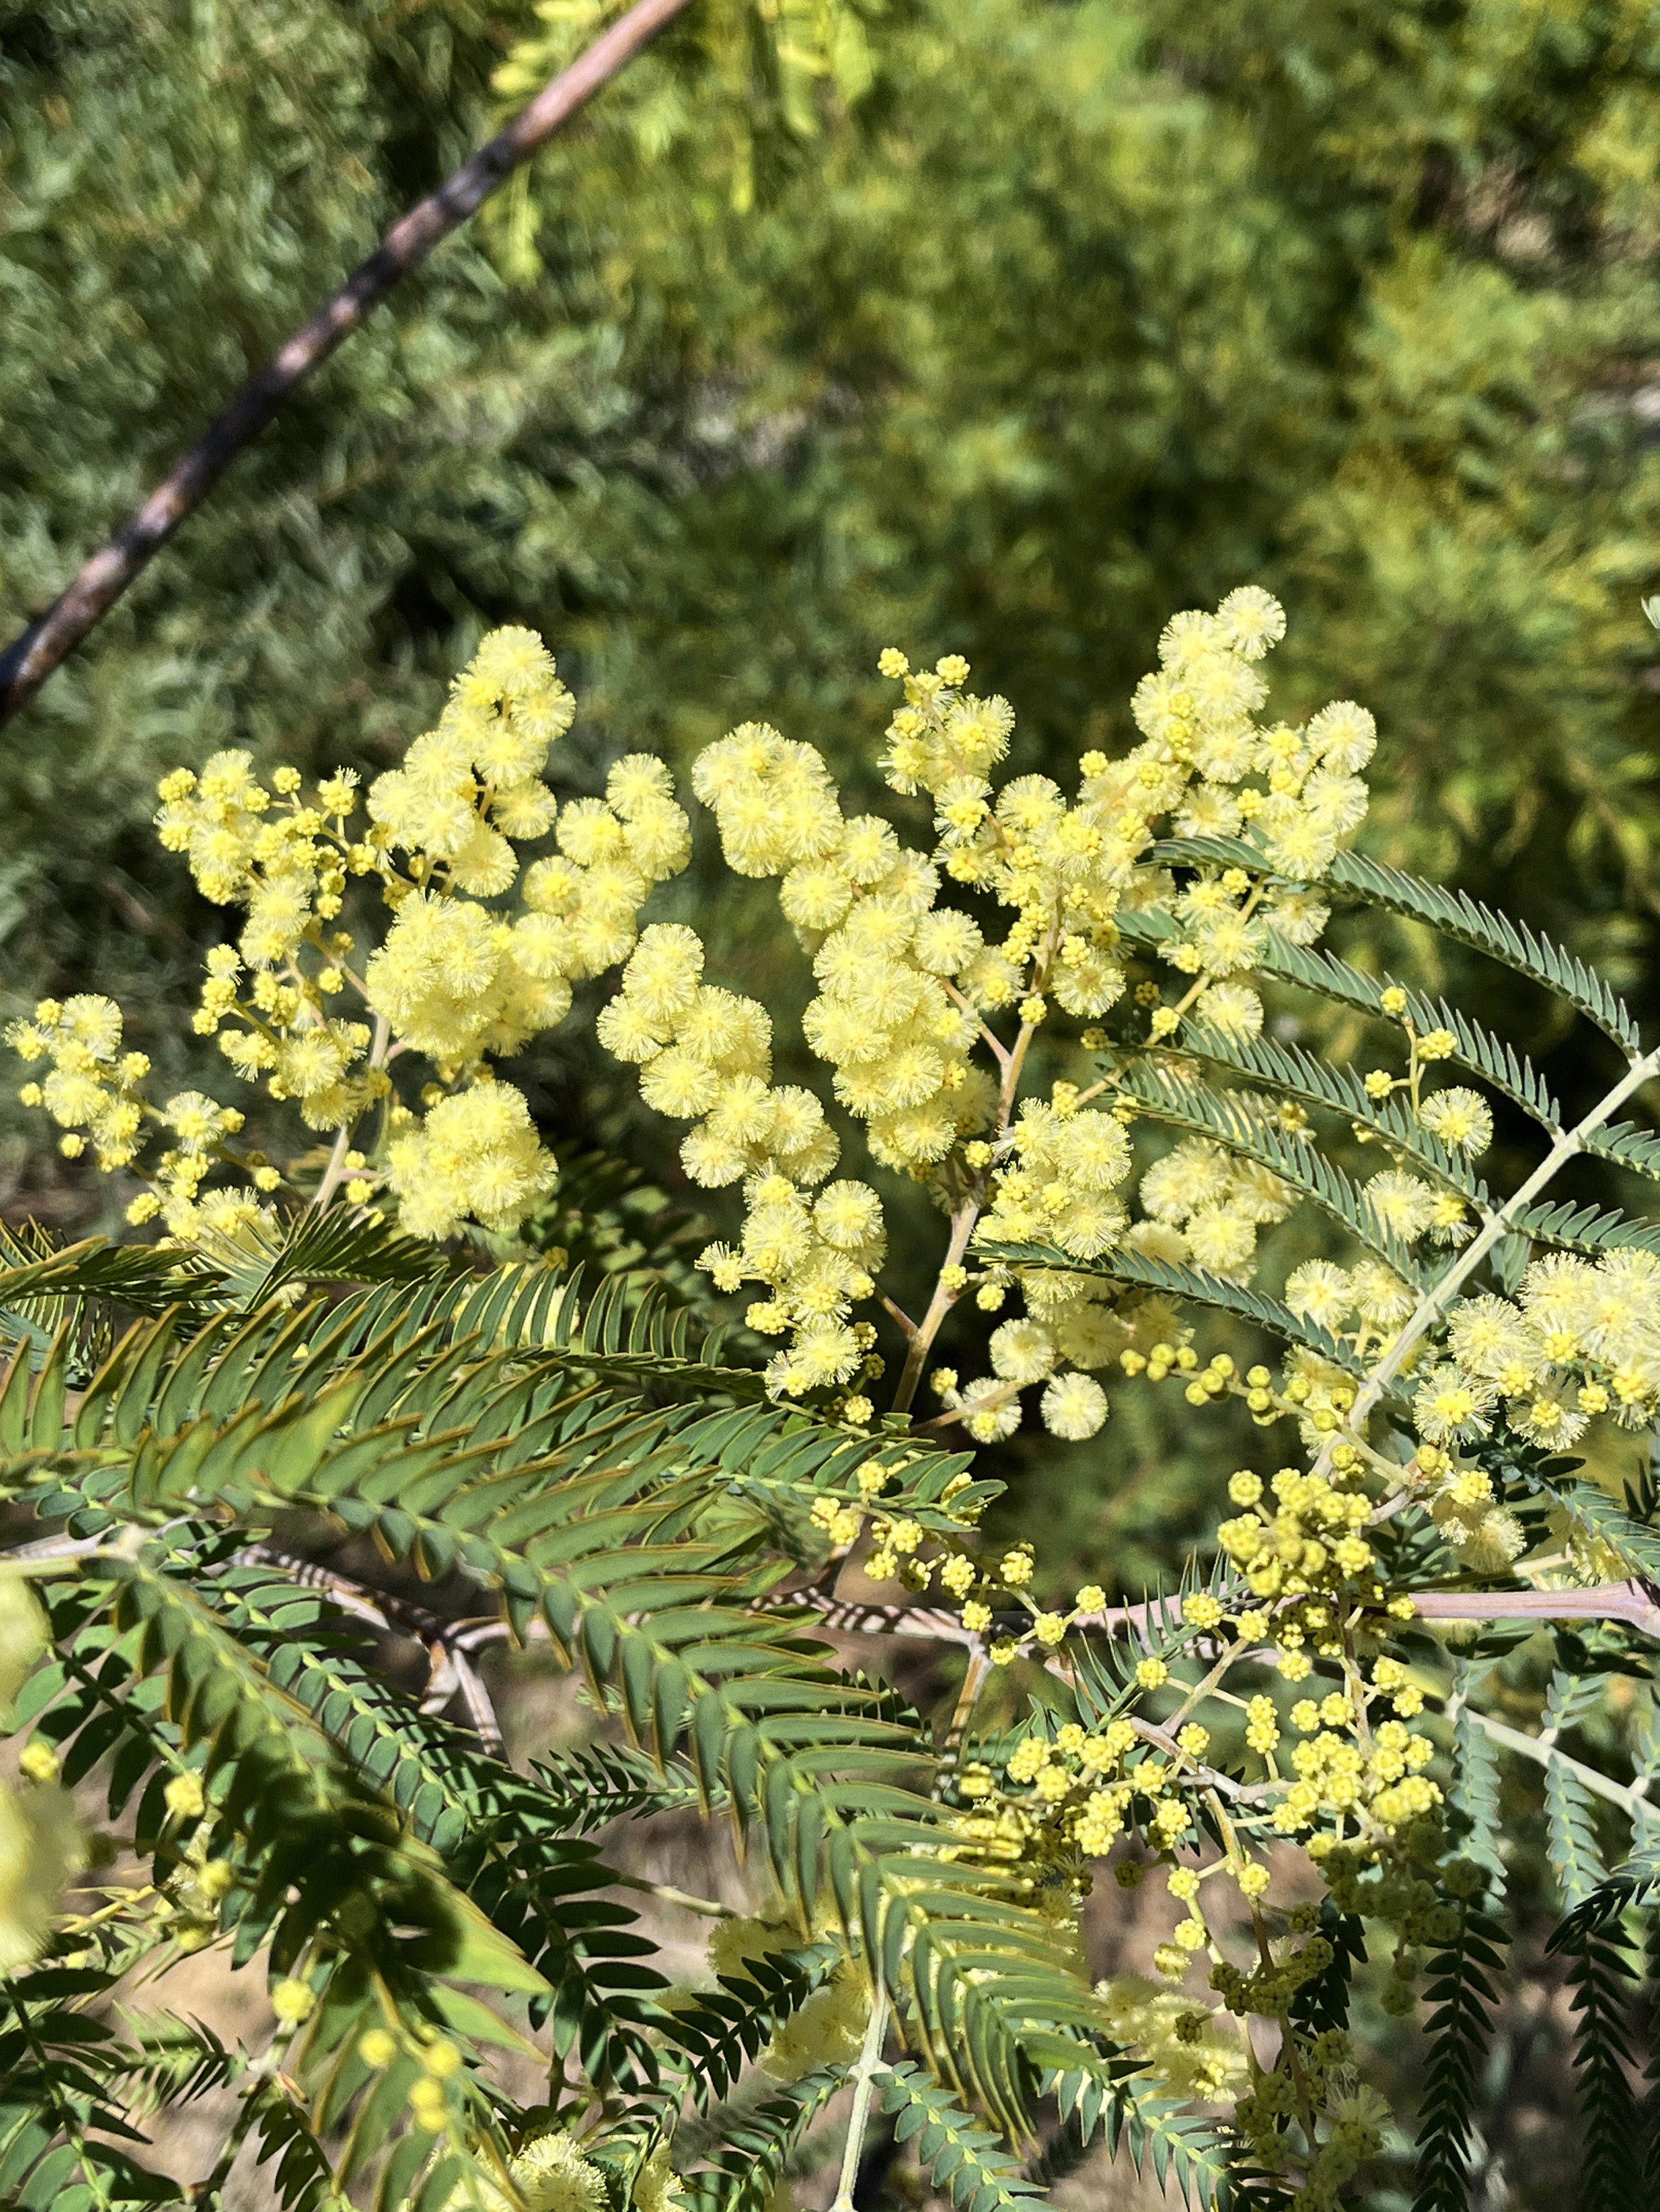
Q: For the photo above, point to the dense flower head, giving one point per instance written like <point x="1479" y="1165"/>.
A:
<point x="1580" y="1340"/>
<point x="1204" y="1207"/>
<point x="92" y="1086"/>
<point x="469" y="787"/>
<point x="475" y="1156"/>
<point x="458" y="977"/>
<point x="549" y="2174"/>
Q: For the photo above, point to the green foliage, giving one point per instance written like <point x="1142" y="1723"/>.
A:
<point x="506" y="1427"/>
<point x="972" y="2166"/>
<point x="1600" y="1975"/>
<point x="1456" y="915"/>
<point x="1460" y="1987"/>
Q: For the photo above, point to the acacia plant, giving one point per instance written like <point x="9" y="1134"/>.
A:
<point x="1049" y="1014"/>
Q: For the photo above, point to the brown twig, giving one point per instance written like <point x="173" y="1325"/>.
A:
<point x="30" y="658"/>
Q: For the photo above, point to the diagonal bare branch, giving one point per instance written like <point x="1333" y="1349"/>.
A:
<point x="30" y="658"/>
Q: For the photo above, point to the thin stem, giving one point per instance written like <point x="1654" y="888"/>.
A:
<point x="1201" y="1690"/>
<point x="1434" y="1303"/>
<point x="988" y="1036"/>
<point x="1632" y="1800"/>
<point x="1013" y="1061"/>
<point x="705" y="1905"/>
<point x="986" y="1404"/>
<point x="334" y="1174"/>
<point x="974" y="1678"/>
<point x="864" y="2078"/>
<point x="917" y="1356"/>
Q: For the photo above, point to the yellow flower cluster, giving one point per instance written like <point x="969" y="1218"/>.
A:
<point x="549" y="2174"/>
<point x="1204" y="1207"/>
<point x="1077" y="1790"/>
<point x="705" y="1054"/>
<point x="96" y="1088"/>
<point x="1464" y="1505"/>
<point x="1335" y="1777"/>
<point x="1581" y="1338"/>
<point x="884" y="1019"/>
<point x="41" y="1845"/>
<point x="1296" y="789"/>
<point x="1064" y="1167"/>
<point x="827" y="2030"/>
<point x="94" y="1085"/>
<point x="909" y="990"/>
<point x="903" y="1550"/>
<point x="1190" y="2051"/>
<point x="456" y="980"/>
<point x="1311" y="1545"/>
<point x="475" y="1157"/>
<point x="1364" y="1303"/>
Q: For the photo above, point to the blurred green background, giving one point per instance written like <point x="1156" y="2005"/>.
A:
<point x="1028" y="323"/>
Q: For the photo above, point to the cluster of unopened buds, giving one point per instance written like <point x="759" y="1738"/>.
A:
<point x="903" y="1548"/>
<point x="1316" y="1394"/>
<point x="1073" y="1794"/>
<point x="1311" y="2082"/>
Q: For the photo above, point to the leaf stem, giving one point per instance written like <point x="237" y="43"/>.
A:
<point x="705" y="1905"/>
<point x="917" y="1354"/>
<point x="865" y="2073"/>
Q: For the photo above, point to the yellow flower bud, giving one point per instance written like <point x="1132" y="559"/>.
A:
<point x="184" y="1798"/>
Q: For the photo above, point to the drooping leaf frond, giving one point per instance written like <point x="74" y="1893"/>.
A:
<point x="1462" y="1974"/>
<point x="1457" y="915"/>
<point x="1600" y="1974"/>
